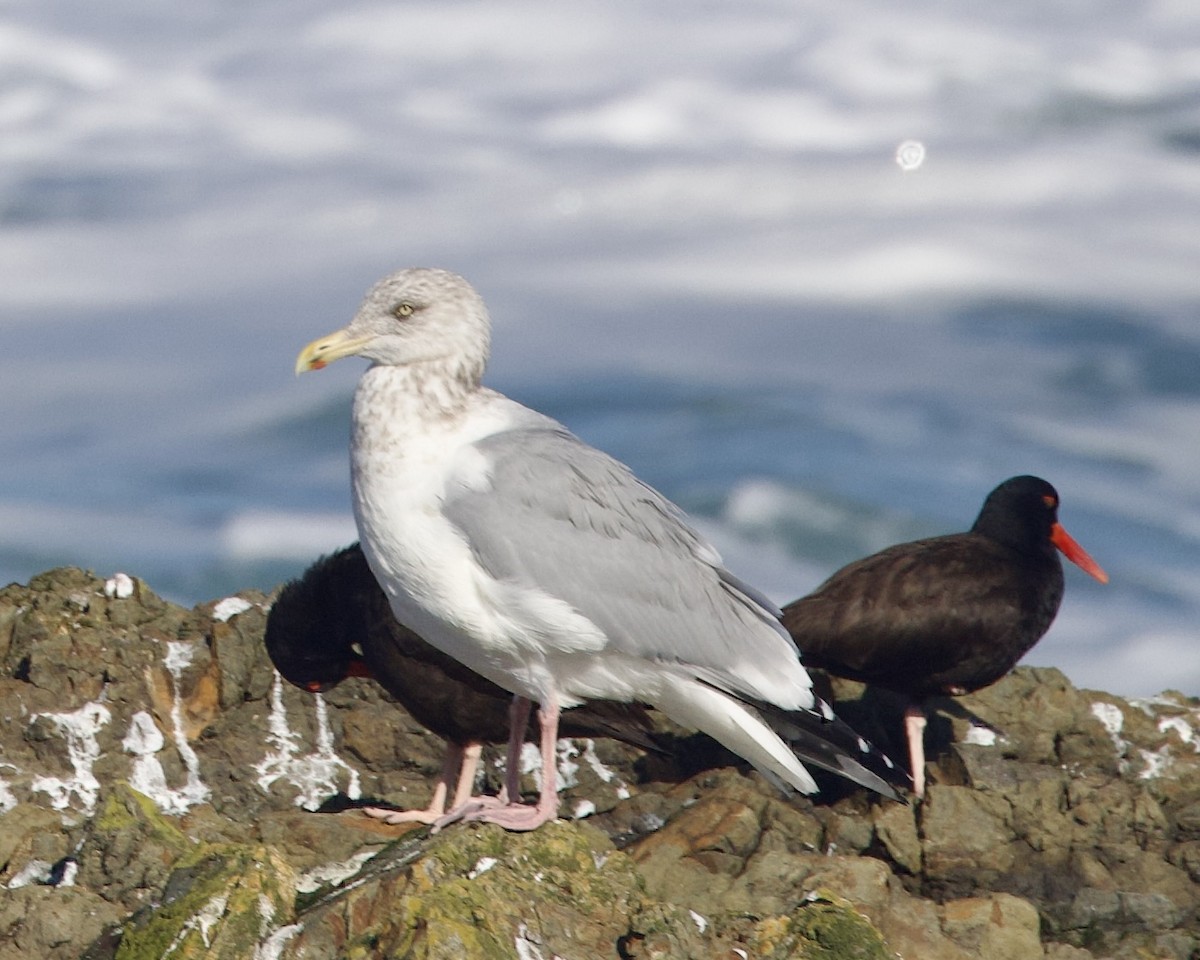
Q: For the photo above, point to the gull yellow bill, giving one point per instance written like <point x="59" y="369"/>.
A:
<point x="325" y="350"/>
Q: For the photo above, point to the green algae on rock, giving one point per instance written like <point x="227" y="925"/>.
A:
<point x="1067" y="828"/>
<point x="477" y="891"/>
<point x="222" y="903"/>
<point x="825" y="927"/>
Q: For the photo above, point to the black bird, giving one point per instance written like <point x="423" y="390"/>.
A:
<point x="946" y="615"/>
<point x="334" y="622"/>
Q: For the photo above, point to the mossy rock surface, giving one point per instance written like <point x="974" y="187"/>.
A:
<point x="223" y="903"/>
<point x="827" y="927"/>
<point x="477" y="891"/>
<point x="1071" y="830"/>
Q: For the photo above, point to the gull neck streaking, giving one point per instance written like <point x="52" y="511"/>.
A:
<point x="548" y="567"/>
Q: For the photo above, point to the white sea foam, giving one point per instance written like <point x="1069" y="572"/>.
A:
<point x="289" y="535"/>
<point x="738" y="195"/>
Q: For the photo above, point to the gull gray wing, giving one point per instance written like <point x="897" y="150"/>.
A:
<point x="551" y="513"/>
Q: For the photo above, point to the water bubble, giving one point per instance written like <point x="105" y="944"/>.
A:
<point x="910" y="155"/>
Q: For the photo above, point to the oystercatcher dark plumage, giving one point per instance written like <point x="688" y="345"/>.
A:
<point x="946" y="615"/>
<point x="334" y="622"/>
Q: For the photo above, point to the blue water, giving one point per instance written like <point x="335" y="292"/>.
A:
<point x="699" y="254"/>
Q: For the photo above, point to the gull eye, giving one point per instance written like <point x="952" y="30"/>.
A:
<point x="403" y="310"/>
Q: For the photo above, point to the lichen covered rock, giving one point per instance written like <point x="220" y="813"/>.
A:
<point x="163" y="793"/>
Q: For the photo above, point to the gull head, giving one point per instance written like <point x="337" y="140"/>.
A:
<point x="418" y="315"/>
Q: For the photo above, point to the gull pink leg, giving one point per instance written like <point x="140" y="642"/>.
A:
<point x="475" y="808"/>
<point x="914" y="730"/>
<point x="517" y="816"/>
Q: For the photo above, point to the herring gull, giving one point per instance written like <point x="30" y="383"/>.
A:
<point x="546" y="566"/>
<point x="334" y="622"/>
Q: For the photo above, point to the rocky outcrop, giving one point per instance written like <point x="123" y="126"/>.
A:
<point x="163" y="794"/>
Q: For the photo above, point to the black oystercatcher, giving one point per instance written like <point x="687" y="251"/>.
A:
<point x="334" y="622"/>
<point x="545" y="565"/>
<point x="946" y="615"/>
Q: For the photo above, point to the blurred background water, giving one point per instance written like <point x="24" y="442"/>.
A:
<point x="698" y="247"/>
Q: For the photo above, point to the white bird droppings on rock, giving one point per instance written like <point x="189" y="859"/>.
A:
<point x="1156" y="762"/>
<point x="70" y="871"/>
<point x="527" y="946"/>
<point x="482" y="866"/>
<point x="202" y="922"/>
<point x="145" y="741"/>
<point x="568" y="770"/>
<point x="143" y="738"/>
<point x="583" y="809"/>
<point x="272" y="947"/>
<point x="1113" y="720"/>
<point x="314" y="774"/>
<point x="80" y="729"/>
<point x="118" y="587"/>
<point x="7" y="799"/>
<point x="606" y="775"/>
<point x="980" y="735"/>
<point x="35" y="871"/>
<point x="230" y="607"/>
<point x="1185" y="730"/>
<point x="332" y="873"/>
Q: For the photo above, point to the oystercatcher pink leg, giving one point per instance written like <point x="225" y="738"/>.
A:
<point x="518" y="723"/>
<point x="466" y="774"/>
<point x="452" y="767"/>
<point x="914" y="730"/>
